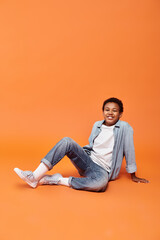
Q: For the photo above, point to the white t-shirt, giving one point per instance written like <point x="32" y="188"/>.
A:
<point x="103" y="147"/>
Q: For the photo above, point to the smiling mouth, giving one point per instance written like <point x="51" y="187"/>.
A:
<point x="110" y="118"/>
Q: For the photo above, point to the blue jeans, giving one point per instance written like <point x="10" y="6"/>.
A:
<point x="95" y="178"/>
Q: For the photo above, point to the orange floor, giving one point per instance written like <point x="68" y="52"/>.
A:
<point x="126" y="210"/>
<point x="59" y="60"/>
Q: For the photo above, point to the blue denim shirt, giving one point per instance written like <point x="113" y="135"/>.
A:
<point x="123" y="146"/>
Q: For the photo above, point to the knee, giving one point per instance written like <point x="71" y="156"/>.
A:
<point x="101" y="186"/>
<point x="103" y="189"/>
<point x="68" y="141"/>
<point x="79" y="184"/>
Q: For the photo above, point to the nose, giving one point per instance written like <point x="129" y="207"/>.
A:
<point x="110" y="112"/>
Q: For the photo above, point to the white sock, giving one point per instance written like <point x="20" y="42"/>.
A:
<point x="40" y="171"/>
<point x="64" y="181"/>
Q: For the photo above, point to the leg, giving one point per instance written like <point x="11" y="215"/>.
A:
<point x="69" y="147"/>
<point x="77" y="155"/>
<point x="64" y="147"/>
<point x="96" y="179"/>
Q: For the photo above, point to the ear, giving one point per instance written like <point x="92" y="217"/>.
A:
<point x="120" y="115"/>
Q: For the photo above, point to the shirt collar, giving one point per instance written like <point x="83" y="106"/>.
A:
<point x="101" y="122"/>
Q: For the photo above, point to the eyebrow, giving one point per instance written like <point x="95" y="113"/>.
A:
<point x="112" y="108"/>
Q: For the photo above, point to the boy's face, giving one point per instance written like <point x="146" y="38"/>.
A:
<point x="111" y="113"/>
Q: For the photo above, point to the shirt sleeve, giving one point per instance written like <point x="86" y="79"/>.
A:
<point x="92" y="132"/>
<point x="129" y="151"/>
<point x="91" y="137"/>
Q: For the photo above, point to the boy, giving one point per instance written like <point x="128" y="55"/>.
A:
<point x="99" y="162"/>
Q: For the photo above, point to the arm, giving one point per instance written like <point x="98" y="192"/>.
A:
<point x="88" y="147"/>
<point x="137" y="179"/>
<point x="129" y="153"/>
<point x="91" y="136"/>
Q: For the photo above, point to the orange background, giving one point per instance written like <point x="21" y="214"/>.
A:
<point x="59" y="60"/>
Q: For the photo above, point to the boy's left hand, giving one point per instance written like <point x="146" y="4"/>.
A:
<point x="137" y="179"/>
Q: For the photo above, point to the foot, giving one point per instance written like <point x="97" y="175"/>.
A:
<point x="50" y="179"/>
<point x="27" y="176"/>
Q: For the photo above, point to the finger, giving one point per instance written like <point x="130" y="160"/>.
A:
<point x="137" y="180"/>
<point x="144" y="181"/>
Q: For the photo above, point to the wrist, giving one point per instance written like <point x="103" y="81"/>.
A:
<point x="133" y="175"/>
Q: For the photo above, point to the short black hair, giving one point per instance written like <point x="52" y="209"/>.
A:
<point x="115" y="100"/>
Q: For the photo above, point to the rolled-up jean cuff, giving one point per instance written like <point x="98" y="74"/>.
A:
<point x="69" y="181"/>
<point x="131" y="169"/>
<point x="46" y="162"/>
